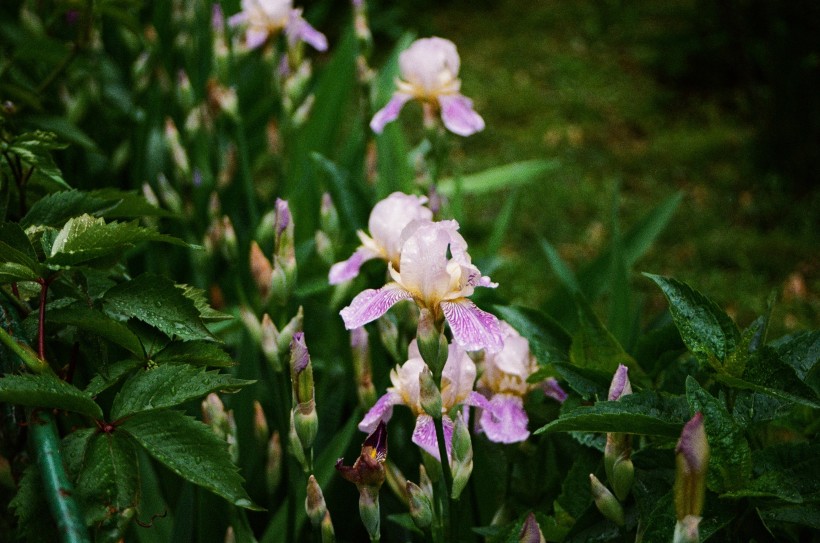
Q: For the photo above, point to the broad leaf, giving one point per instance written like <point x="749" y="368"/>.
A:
<point x="99" y="324"/>
<point x="34" y="148"/>
<point x="705" y="328"/>
<point x="646" y="413"/>
<point x="549" y="342"/>
<point x="57" y="208"/>
<point x="169" y="385"/>
<point x="801" y="351"/>
<point x="84" y="239"/>
<point x="45" y="390"/>
<point x="157" y="301"/>
<point x="28" y="504"/>
<point x="108" y="482"/>
<point x="593" y="347"/>
<point x="589" y="383"/>
<point x="18" y="259"/>
<point x="206" y="312"/>
<point x="730" y="460"/>
<point x="111" y="374"/>
<point x="191" y="450"/>
<point x="500" y="177"/>
<point x="196" y="353"/>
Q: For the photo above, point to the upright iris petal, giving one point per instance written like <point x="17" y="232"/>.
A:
<point x="387" y="220"/>
<point x="436" y="271"/>
<point x="429" y="73"/>
<point x="265" y="18"/>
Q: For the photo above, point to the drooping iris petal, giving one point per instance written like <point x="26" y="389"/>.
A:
<point x="458" y="115"/>
<point x="382" y="410"/>
<point x="371" y="304"/>
<point x="299" y="29"/>
<point x="348" y="269"/>
<point x="472" y="328"/>
<point x="424" y="435"/>
<point x="389" y="112"/>
<point x="457" y="377"/>
<point x="255" y="36"/>
<point x="505" y="420"/>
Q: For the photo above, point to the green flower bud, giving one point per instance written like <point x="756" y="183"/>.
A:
<point x="270" y="338"/>
<point x="286" y="334"/>
<point x="328" y="533"/>
<point x="432" y="344"/>
<point x="273" y="467"/>
<point x="362" y="367"/>
<point x="315" y="502"/>
<point x="692" y="458"/>
<point x="606" y="502"/>
<point x="429" y="394"/>
<point x="260" y="423"/>
<point x="462" y="453"/>
<point x="687" y="530"/>
<point x="421" y="509"/>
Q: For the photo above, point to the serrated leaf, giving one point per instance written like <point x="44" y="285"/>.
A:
<point x="191" y="450"/>
<point x="157" y="301"/>
<point x="56" y="208"/>
<point x="108" y="481"/>
<point x="589" y="383"/>
<point x="646" y="413"/>
<point x="549" y="342"/>
<point x="801" y="351"/>
<point x="28" y="504"/>
<point x="48" y="391"/>
<point x="127" y="204"/>
<point x="206" y="312"/>
<point x="803" y="515"/>
<point x="11" y="272"/>
<point x="707" y="330"/>
<point x="18" y="259"/>
<point x="85" y="238"/>
<point x="34" y="148"/>
<point x="196" y="353"/>
<point x="167" y="386"/>
<point x="72" y="449"/>
<point x="730" y="460"/>
<point x="499" y="177"/>
<point x="111" y="374"/>
<point x="98" y="323"/>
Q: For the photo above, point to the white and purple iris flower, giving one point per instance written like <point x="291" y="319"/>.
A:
<point x="437" y="273"/>
<point x="387" y="220"/>
<point x="429" y="73"/>
<point x="265" y="18"/>
<point x="504" y="382"/>
<point x="457" y="380"/>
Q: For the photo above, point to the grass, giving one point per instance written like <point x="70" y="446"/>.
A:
<point x="576" y="81"/>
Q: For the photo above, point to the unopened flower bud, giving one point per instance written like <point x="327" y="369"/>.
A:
<point x="431" y="342"/>
<point x="328" y="533"/>
<point x="692" y="458"/>
<point x="178" y="153"/>
<point x="229" y="243"/>
<point x="530" y="531"/>
<point x="553" y="390"/>
<point x="270" y="338"/>
<point x="389" y="335"/>
<point x="261" y="271"/>
<point x="620" y="385"/>
<point x="273" y="468"/>
<point x="605" y="501"/>
<point x="230" y="536"/>
<point x="315" y="502"/>
<point x="429" y="394"/>
<point x="462" y="456"/>
<point x="252" y="324"/>
<point x="260" y="423"/>
<point x="424" y="482"/>
<point x="185" y="94"/>
<point x="280" y="287"/>
<point x="621" y="474"/>
<point x="294" y="443"/>
<point x="362" y="367"/>
<point x="169" y="196"/>
<point x="301" y="370"/>
<point x="286" y="334"/>
<point x="221" y="422"/>
<point x="421" y="510"/>
<point x="324" y="248"/>
<point x="266" y="231"/>
<point x="306" y="422"/>
<point x="617" y="462"/>
<point x="367" y="473"/>
<point x="687" y="530"/>
<point x="329" y="218"/>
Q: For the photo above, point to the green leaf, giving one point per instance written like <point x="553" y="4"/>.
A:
<point x="593" y="347"/>
<point x="645" y="413"/>
<point x="549" y="342"/>
<point x="157" y="301"/>
<point x="85" y="238"/>
<point x="45" y="390"/>
<point x="730" y="460"/>
<point x="108" y="482"/>
<point x="801" y="351"/>
<point x="706" y="330"/>
<point x="34" y="148"/>
<point x="73" y="448"/>
<point x="28" y="504"/>
<point x="206" y="312"/>
<point x="169" y="385"/>
<point x="11" y="272"/>
<point x="57" y="208"/>
<point x="500" y="177"/>
<point x="191" y="450"/>
<point x="803" y="515"/>
<point x="560" y="268"/>
<point x="405" y="521"/>
<point x="98" y="323"/>
<point x="18" y="260"/>
<point x="111" y="375"/>
<point x="589" y="383"/>
<point x="196" y="353"/>
<point x="127" y="205"/>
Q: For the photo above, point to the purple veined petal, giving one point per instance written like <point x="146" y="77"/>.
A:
<point x="382" y="410"/>
<point x="255" y="36"/>
<point x="477" y="400"/>
<point x="389" y="112"/>
<point x="424" y="435"/>
<point x="472" y="328"/>
<point x="371" y="304"/>
<point x="458" y="114"/>
<point x="299" y="29"/>
<point x="238" y="19"/>
<point x="348" y="269"/>
<point x="505" y="420"/>
<point x="553" y="390"/>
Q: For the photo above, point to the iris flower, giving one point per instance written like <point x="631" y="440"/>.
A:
<point x="437" y="273"/>
<point x="387" y="220"/>
<point x="457" y="380"/>
<point x="429" y="73"/>
<point x="265" y="18"/>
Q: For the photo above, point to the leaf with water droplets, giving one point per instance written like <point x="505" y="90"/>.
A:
<point x="191" y="450"/>
<point x="47" y="391"/>
<point x="167" y="386"/>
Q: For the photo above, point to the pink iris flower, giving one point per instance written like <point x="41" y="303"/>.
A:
<point x="429" y="73"/>
<point x="437" y="273"/>
<point x="387" y="220"/>
<point x="457" y="380"/>
<point x="265" y="18"/>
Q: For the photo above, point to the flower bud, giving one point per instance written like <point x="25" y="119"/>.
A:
<point x="429" y="394"/>
<point x="329" y="218"/>
<point x="617" y="462"/>
<point x="328" y="533"/>
<point x="324" y="248"/>
<point x="362" y="367"/>
<point x="221" y="422"/>
<point x="421" y="509"/>
<point x="367" y="473"/>
<point x="621" y="474"/>
<point x="273" y="468"/>
<point x="462" y="456"/>
<point x="687" y="530"/>
<point x="620" y="385"/>
<point x="270" y="337"/>
<point x="425" y="483"/>
<point x="252" y="324"/>
<point x="266" y="231"/>
<point x="431" y="342"/>
<point x="530" y="531"/>
<point x="169" y="196"/>
<point x="606" y="502"/>
<point x="261" y="271"/>
<point x="185" y="95"/>
<point x="692" y="458"/>
<point x="178" y="153"/>
<point x="553" y="390"/>
<point x="260" y="423"/>
<point x="389" y="335"/>
<point x="306" y="422"/>
<point x="305" y="419"/>
<point x="229" y="243"/>
<point x="315" y="502"/>
<point x="294" y="443"/>
<point x="230" y="536"/>
<point x="286" y="334"/>
<point x="280" y="288"/>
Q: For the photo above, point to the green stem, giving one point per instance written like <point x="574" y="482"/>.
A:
<point x="26" y="353"/>
<point x="58" y="489"/>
